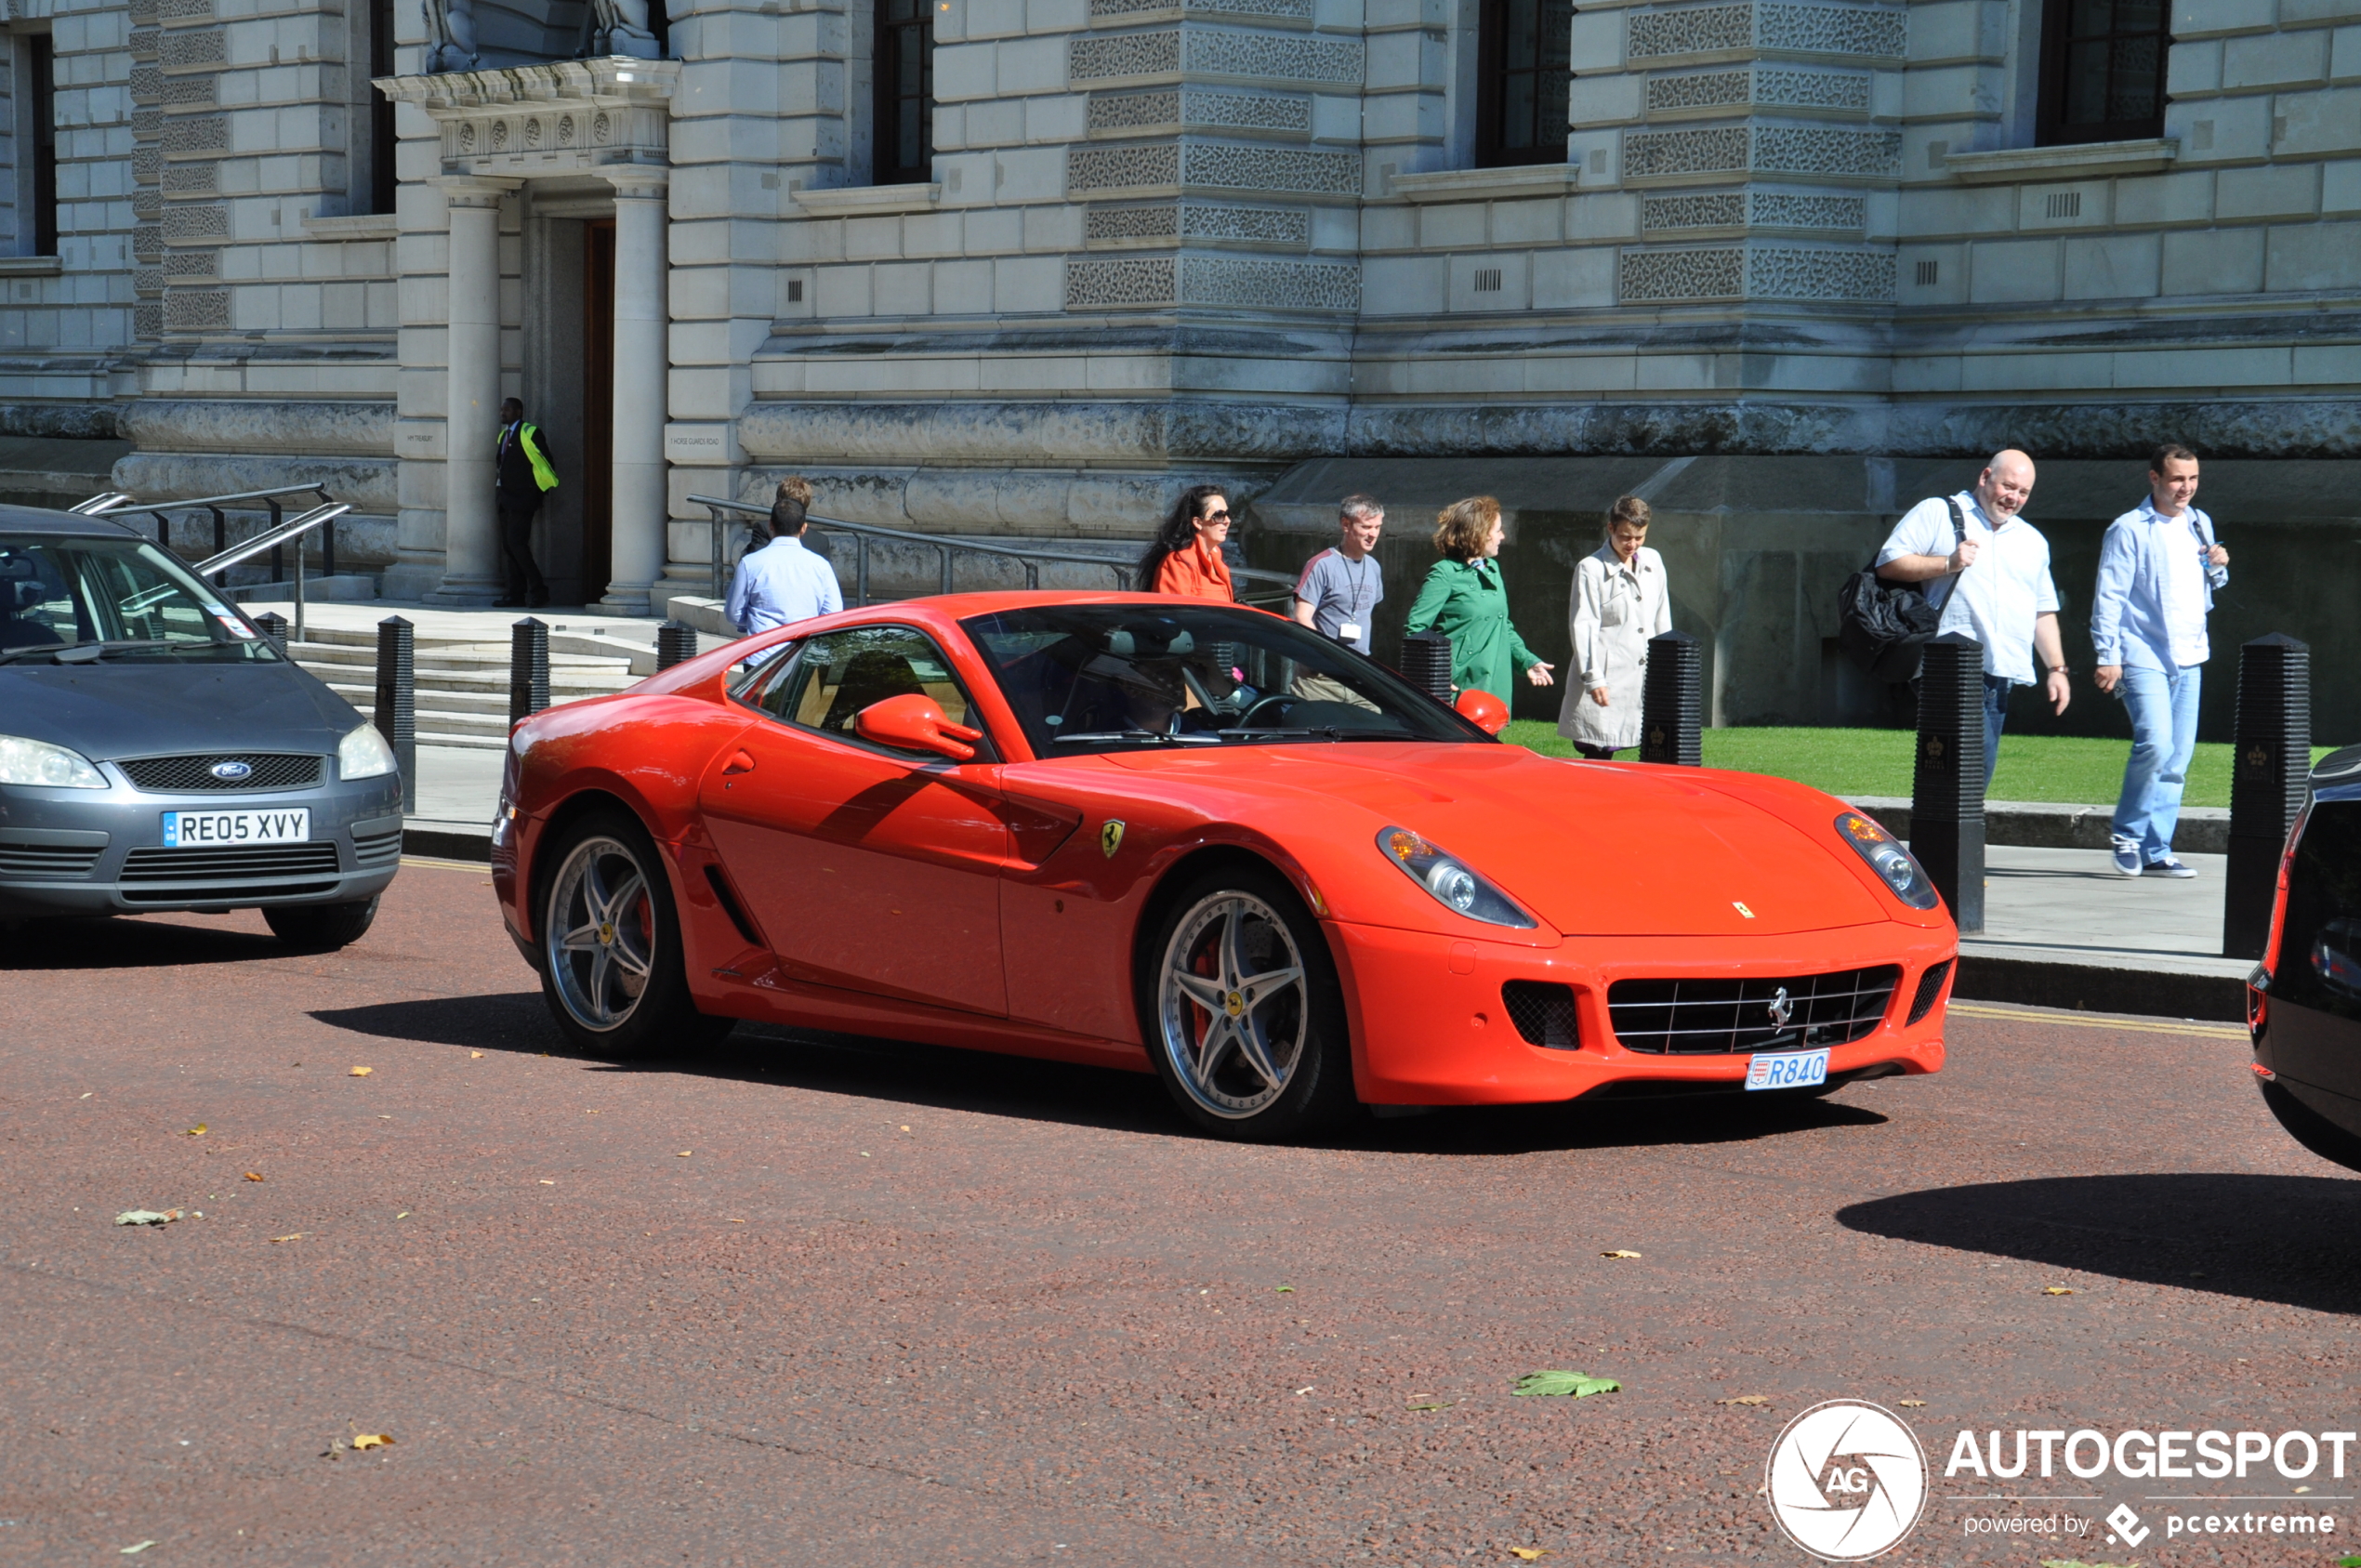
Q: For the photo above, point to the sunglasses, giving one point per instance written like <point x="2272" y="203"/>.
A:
<point x="1221" y="516"/>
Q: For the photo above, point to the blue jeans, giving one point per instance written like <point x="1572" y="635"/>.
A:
<point x="1995" y="714"/>
<point x="2164" y="736"/>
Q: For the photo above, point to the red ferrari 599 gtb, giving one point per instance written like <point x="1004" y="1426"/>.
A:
<point x="1196" y="839"/>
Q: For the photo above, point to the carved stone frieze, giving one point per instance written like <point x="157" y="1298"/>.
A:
<point x="1753" y="209"/>
<point x="1298" y="11"/>
<point x="1214" y="165"/>
<point x="1094" y="284"/>
<point x="1835" y="276"/>
<point x="1649" y="277"/>
<point x="1201" y="221"/>
<point x="1868" y="32"/>
<point x="194" y="309"/>
<point x="1215" y="51"/>
<point x="1204" y="108"/>
<point x="1770" y="86"/>
<point x="546" y="119"/>
<point x="1827" y="152"/>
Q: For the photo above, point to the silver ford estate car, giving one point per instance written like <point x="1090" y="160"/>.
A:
<point x="157" y="752"/>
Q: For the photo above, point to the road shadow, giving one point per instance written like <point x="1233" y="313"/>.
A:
<point x="2290" y="1238"/>
<point x="939" y="1077"/>
<point x="132" y="944"/>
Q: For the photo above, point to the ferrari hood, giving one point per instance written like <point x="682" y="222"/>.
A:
<point x="1593" y="850"/>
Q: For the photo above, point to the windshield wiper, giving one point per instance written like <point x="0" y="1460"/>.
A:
<point x="80" y="652"/>
<point x="1323" y="732"/>
<point x="1158" y="736"/>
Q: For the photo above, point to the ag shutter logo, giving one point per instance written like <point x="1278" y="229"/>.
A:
<point x="1847" y="1481"/>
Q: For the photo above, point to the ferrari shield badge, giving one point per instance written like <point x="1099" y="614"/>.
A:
<point x="1111" y="837"/>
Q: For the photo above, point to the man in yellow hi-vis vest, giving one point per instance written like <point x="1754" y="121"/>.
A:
<point x="524" y="472"/>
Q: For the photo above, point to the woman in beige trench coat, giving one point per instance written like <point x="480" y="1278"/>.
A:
<point x="1619" y="601"/>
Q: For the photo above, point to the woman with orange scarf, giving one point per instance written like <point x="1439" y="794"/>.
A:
<point x="1186" y="557"/>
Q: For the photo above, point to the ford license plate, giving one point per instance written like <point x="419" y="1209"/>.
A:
<point x="1788" y="1069"/>
<point x="190" y="830"/>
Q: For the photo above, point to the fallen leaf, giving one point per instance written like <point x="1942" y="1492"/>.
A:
<point x="475" y="1055"/>
<point x="297" y="1237"/>
<point x="134" y="1551"/>
<point x="1307" y="1387"/>
<point x="2055" y="1290"/>
<point x="1581" y="1385"/>
<point x="197" y="1131"/>
<point x="1529" y="1553"/>
<point x="1618" y="1255"/>
<point x="546" y="1182"/>
<point x="1444" y="1404"/>
<point x="1283" y="1290"/>
<point x="737" y="1223"/>
<point x="254" y="1176"/>
<point x="1745" y="1398"/>
<point x="1913" y="1404"/>
<point x="686" y="1152"/>
<point x="147" y="1216"/>
<point x="373" y="1440"/>
<point x="403" y="1215"/>
<point x="358" y="1073"/>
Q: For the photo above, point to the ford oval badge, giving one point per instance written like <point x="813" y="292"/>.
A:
<point x="231" y="772"/>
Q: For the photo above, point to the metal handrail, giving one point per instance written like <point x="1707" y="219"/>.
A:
<point x="863" y="531"/>
<point x="272" y="539"/>
<point x="115" y="502"/>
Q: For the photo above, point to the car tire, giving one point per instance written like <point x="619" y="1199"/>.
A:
<point x="609" y="945"/>
<point x="320" y="928"/>
<point x="2312" y="1129"/>
<point x="1238" y="969"/>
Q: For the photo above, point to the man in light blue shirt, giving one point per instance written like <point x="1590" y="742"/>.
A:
<point x="783" y="582"/>
<point x="2157" y="570"/>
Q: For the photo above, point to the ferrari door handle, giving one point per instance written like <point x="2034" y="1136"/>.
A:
<point x="740" y="763"/>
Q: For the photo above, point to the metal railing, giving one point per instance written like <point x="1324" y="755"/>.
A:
<point x="947" y="548"/>
<point x="116" y="504"/>
<point x="321" y="517"/>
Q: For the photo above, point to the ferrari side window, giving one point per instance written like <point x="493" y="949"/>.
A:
<point x="763" y="682"/>
<point x="840" y="674"/>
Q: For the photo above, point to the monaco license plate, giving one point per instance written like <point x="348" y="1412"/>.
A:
<point x="1788" y="1069"/>
<point x="189" y="830"/>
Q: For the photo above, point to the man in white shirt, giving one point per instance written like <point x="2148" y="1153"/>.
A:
<point x="2157" y="570"/>
<point x="1993" y="585"/>
<point x="783" y="582"/>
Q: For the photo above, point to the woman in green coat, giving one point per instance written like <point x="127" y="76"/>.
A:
<point x="1465" y="600"/>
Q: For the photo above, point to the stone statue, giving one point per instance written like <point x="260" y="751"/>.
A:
<point x="452" y="24"/>
<point x="622" y="28"/>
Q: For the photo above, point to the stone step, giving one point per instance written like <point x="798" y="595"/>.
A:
<point x="461" y="657"/>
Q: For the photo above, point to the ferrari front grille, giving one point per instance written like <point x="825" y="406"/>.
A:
<point x="1543" y="1012"/>
<point x="1735" y="1017"/>
<point x="180" y="775"/>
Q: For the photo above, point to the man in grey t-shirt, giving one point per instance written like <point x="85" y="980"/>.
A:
<point x="1339" y="590"/>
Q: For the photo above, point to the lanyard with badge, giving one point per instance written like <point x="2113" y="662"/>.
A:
<point x="1350" y="632"/>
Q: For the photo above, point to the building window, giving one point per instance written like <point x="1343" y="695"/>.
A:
<point x="906" y="92"/>
<point x="32" y="127"/>
<point x="1522" y="50"/>
<point x="2102" y="70"/>
<point x="381" y="133"/>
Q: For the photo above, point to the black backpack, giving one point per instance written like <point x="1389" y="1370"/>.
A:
<point x="1884" y="627"/>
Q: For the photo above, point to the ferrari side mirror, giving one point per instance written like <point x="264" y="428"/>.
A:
<point x="1484" y="710"/>
<point x="913" y="722"/>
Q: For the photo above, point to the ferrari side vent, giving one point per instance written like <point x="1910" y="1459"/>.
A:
<point x="1543" y="1012"/>
<point x="1930" y="987"/>
<point x="729" y="902"/>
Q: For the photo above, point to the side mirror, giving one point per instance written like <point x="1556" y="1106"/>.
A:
<point x="1484" y="710"/>
<point x="914" y="723"/>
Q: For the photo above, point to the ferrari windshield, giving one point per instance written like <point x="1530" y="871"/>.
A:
<point x="71" y="598"/>
<point x="1087" y="678"/>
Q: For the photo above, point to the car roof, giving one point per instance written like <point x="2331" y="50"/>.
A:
<point x="15" y="520"/>
<point x="959" y="606"/>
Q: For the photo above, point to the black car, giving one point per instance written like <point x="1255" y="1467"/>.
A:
<point x="157" y="752"/>
<point x="2305" y="1002"/>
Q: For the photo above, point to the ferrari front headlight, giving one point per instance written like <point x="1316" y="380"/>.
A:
<point x="1450" y="881"/>
<point x="364" y="755"/>
<point x="1894" y="865"/>
<point x="48" y="767"/>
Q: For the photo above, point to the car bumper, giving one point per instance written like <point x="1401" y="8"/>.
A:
<point x="1430" y="1025"/>
<point x="71" y="851"/>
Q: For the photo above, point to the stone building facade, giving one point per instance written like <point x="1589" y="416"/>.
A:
<point x="1028" y="266"/>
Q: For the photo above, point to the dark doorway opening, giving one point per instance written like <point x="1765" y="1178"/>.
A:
<point x="598" y="408"/>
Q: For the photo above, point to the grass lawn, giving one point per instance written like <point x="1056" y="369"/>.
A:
<point x="2074" y="769"/>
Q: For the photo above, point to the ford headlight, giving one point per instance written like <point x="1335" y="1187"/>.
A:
<point x="1451" y="882"/>
<point x="364" y="755"/>
<point x="1894" y="865"/>
<point x="46" y="766"/>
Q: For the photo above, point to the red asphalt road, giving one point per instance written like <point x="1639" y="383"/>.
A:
<point x="899" y="1305"/>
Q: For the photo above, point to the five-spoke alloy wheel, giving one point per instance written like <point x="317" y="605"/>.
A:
<point x="610" y="944"/>
<point x="1246" y="1026"/>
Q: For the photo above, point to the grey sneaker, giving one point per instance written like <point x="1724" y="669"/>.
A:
<point x="2127" y="857"/>
<point x="2169" y="867"/>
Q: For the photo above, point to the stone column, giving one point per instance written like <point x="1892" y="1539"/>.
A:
<point x="639" y="505"/>
<point x="471" y="567"/>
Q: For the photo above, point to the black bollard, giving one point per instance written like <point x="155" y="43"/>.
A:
<point x="676" y="640"/>
<point x="1947" y="788"/>
<point x="2269" y="768"/>
<point x="1426" y="663"/>
<point x="396" y="715"/>
<point x="1668" y="701"/>
<point x="273" y="625"/>
<point x="528" y="669"/>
